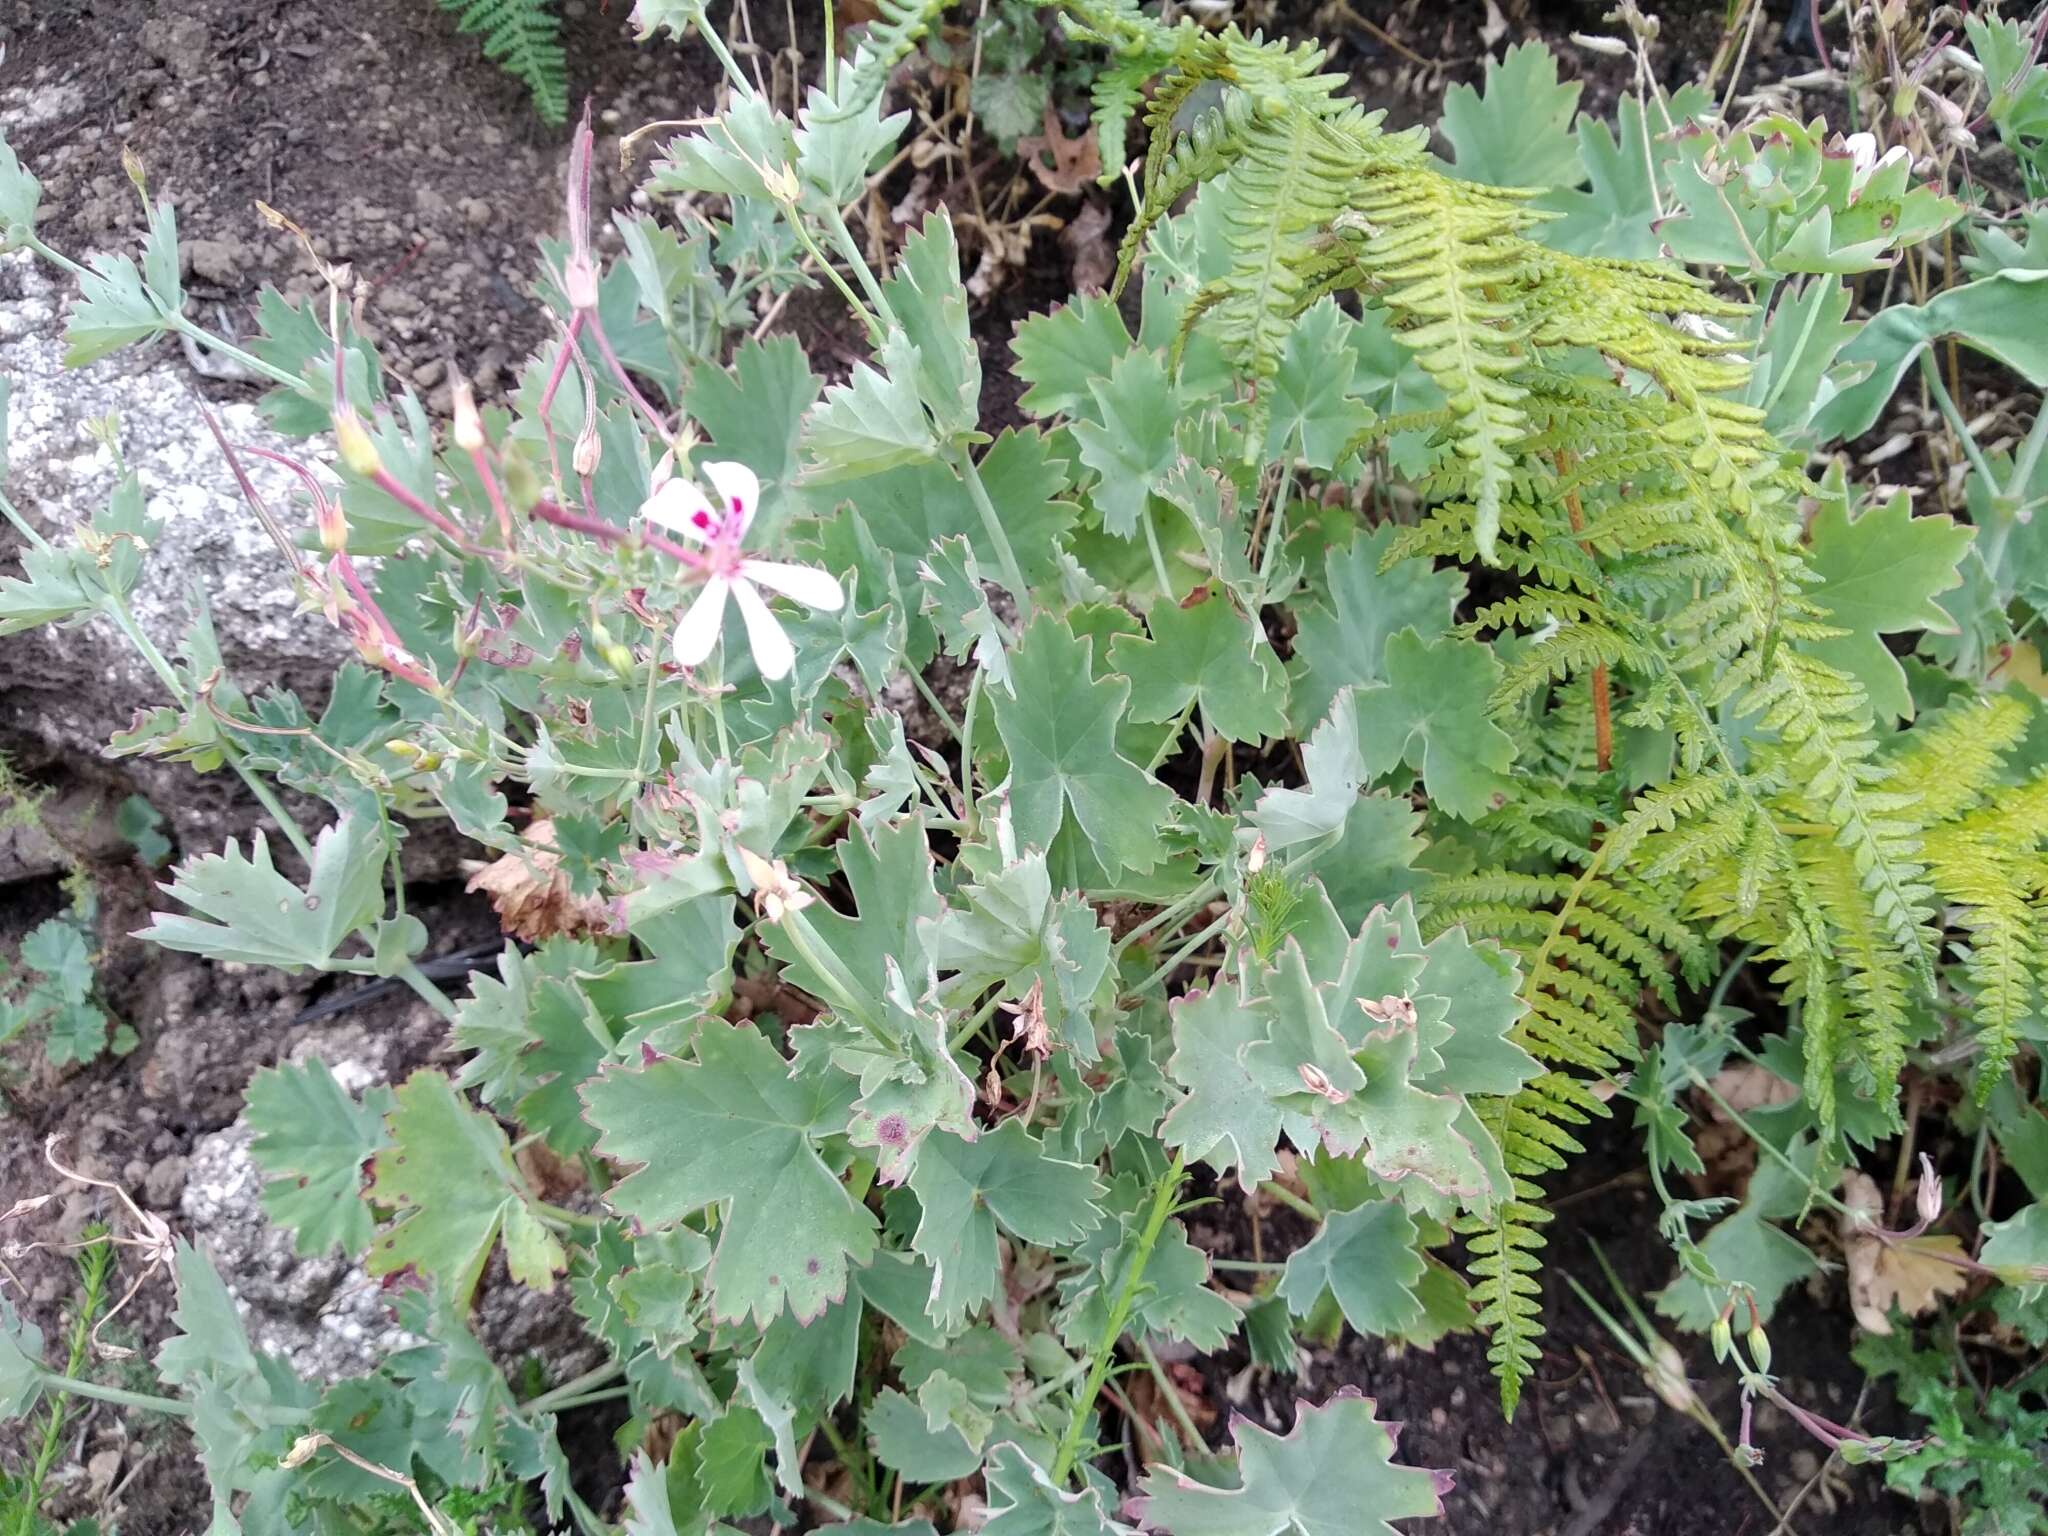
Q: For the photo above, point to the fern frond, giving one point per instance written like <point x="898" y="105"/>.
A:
<point x="524" y="39"/>
<point x="898" y="27"/>
<point x="1591" y="947"/>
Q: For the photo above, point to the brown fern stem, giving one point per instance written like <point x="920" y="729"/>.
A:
<point x="1603" y="707"/>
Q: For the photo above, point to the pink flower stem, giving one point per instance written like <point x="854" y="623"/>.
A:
<point x="604" y="345"/>
<point x="347" y="570"/>
<point x="481" y="459"/>
<point x="547" y="395"/>
<point x="389" y="652"/>
<point x="386" y="482"/>
<point x="610" y="533"/>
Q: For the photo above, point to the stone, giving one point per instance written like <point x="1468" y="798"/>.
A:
<point x="216" y="261"/>
<point x="181" y="43"/>
<point x="65" y="691"/>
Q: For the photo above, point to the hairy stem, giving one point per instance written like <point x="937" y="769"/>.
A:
<point x="1119" y="1317"/>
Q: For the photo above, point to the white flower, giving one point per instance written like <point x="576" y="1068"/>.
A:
<point x="1865" y="162"/>
<point x="680" y="507"/>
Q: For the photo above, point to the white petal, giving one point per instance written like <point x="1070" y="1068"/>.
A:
<point x="681" y="508"/>
<point x="806" y="583"/>
<point x="699" y="631"/>
<point x="740" y="487"/>
<point x="1862" y="149"/>
<point x="773" y="653"/>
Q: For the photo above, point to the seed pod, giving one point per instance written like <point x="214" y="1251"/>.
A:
<point x="589" y="450"/>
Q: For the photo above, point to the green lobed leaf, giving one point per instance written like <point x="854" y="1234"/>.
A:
<point x="1516" y="129"/>
<point x="1059" y="729"/>
<point x="1333" y="1474"/>
<point x="1879" y="575"/>
<point x="21" y="1353"/>
<point x="872" y="423"/>
<point x="1343" y="641"/>
<point x="449" y="1173"/>
<point x="20" y="193"/>
<point x="1366" y="1258"/>
<point x="259" y="917"/>
<point x="1228" y="1119"/>
<point x="312" y="1141"/>
<point x="1130" y="442"/>
<point x="965" y="1189"/>
<point x="1061" y="351"/>
<point x="734" y="1129"/>
<point x="1205" y="653"/>
<point x="1433" y="713"/>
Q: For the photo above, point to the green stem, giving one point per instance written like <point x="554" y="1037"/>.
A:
<point x="23" y="526"/>
<point x="575" y="1386"/>
<point x="56" y="258"/>
<point x="839" y="983"/>
<point x="566" y="1217"/>
<point x="640" y="762"/>
<point x="423" y="986"/>
<point x="924" y="691"/>
<point x="831" y="50"/>
<point x="1197" y="1443"/>
<point x="1158" y="559"/>
<point x="1173" y="961"/>
<point x="1773" y="1153"/>
<point x="835" y="225"/>
<point x="93" y="1262"/>
<point x="248" y="360"/>
<point x="967" y="796"/>
<point x="992" y="524"/>
<point x="1119" y="1316"/>
<point x="725" y="59"/>
<point x="982" y="1015"/>
<point x="1179" y="910"/>
<point x="856" y="1465"/>
<point x="1954" y="418"/>
<point x="817" y="254"/>
<point x="79" y="1387"/>
<point x="1287" y="1197"/>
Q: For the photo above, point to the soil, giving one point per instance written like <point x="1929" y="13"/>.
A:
<point x="404" y="152"/>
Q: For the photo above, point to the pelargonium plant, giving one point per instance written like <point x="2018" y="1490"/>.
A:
<point x="944" y="863"/>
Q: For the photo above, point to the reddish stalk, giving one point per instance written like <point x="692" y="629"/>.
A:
<point x="610" y="533"/>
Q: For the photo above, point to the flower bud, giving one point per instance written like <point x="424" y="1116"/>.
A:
<point x="469" y="426"/>
<point x="619" y="658"/>
<point x="1760" y="1347"/>
<point x="1666" y="1376"/>
<point x="1723" y="1336"/>
<point x="357" y="451"/>
<point x="1927" y="1198"/>
<point x="579" y="283"/>
<point x="332" y="524"/>
<point x="589" y="450"/>
<point x="400" y="747"/>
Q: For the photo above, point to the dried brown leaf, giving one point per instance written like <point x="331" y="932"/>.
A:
<point x="532" y="895"/>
